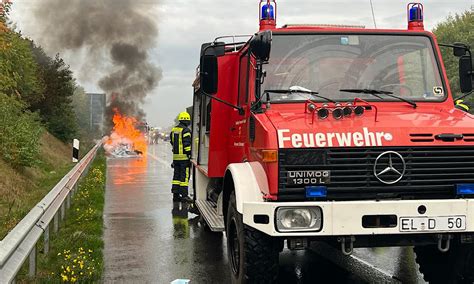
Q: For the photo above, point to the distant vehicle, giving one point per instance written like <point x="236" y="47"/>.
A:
<point x="338" y="134"/>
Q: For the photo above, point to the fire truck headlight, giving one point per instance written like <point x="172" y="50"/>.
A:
<point x="292" y="219"/>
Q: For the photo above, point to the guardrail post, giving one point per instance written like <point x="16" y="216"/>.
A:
<point x="32" y="266"/>
<point x="74" y="189"/>
<point x="63" y="212"/>
<point x="68" y="200"/>
<point x="46" y="240"/>
<point x="56" y="222"/>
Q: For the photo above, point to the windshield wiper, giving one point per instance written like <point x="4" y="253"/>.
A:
<point x="377" y="93"/>
<point x="298" y="90"/>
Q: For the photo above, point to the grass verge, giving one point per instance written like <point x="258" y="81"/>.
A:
<point x="19" y="205"/>
<point x="76" y="250"/>
<point x="22" y="188"/>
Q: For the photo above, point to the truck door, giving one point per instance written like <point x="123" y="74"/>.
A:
<point x="196" y="127"/>
<point x="239" y="127"/>
<point x="204" y="135"/>
<point x="201" y="129"/>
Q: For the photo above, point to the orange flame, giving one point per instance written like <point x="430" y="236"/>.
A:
<point x="124" y="127"/>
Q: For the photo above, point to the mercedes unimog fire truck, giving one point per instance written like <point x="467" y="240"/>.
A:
<point x="338" y="134"/>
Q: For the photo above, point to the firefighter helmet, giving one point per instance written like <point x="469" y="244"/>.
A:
<point x="184" y="116"/>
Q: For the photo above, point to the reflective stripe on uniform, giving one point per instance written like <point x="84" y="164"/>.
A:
<point x="186" y="180"/>
<point x="187" y="134"/>
<point x="180" y="143"/>
<point x="178" y="149"/>
<point x="180" y="157"/>
<point x="187" y="149"/>
<point x="176" y="182"/>
<point x="176" y="140"/>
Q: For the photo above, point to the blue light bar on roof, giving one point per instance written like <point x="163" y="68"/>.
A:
<point x="268" y="12"/>
<point x="416" y="13"/>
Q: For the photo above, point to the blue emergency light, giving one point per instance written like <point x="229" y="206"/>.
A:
<point x="415" y="12"/>
<point x="465" y="189"/>
<point x="316" y="191"/>
<point x="268" y="12"/>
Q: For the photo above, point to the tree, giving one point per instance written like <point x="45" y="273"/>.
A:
<point x="18" y="68"/>
<point x="21" y="131"/>
<point x="19" y="83"/>
<point x="55" y="107"/>
<point x="80" y="102"/>
<point x="458" y="28"/>
<point x="5" y="7"/>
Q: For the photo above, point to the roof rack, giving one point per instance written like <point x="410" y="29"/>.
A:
<point x="324" y="26"/>
<point x="231" y="39"/>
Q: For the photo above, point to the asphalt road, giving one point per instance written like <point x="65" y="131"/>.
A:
<point x="150" y="239"/>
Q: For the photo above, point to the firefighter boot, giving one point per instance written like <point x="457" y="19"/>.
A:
<point x="176" y="197"/>
<point x="187" y="199"/>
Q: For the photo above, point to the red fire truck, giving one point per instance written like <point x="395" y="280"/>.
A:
<point x="336" y="134"/>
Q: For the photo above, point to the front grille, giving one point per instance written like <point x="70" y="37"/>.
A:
<point x="431" y="172"/>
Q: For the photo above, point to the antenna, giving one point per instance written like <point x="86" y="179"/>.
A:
<point x="373" y="14"/>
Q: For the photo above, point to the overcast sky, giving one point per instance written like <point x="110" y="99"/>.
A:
<point x="185" y="24"/>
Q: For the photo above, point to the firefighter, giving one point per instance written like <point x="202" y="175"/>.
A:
<point x="180" y="139"/>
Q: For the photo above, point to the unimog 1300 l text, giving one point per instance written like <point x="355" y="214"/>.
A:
<point x="337" y="134"/>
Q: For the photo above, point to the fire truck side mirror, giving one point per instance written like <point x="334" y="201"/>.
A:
<point x="213" y="48"/>
<point x="209" y="74"/>
<point x="465" y="73"/>
<point x="261" y="45"/>
<point x="459" y="49"/>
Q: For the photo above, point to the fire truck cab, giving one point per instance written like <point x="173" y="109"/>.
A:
<point x="336" y="134"/>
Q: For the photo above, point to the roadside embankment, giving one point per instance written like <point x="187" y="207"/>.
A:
<point x="21" y="188"/>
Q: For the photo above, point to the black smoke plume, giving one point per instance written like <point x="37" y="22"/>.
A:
<point x="115" y="37"/>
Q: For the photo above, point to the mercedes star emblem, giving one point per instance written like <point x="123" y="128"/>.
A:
<point x="389" y="167"/>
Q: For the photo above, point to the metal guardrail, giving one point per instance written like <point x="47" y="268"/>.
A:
<point x="20" y="243"/>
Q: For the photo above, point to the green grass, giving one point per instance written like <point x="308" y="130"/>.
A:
<point x="22" y="188"/>
<point x="21" y="205"/>
<point x="76" y="250"/>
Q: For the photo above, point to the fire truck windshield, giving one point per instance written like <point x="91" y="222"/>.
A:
<point x="404" y="65"/>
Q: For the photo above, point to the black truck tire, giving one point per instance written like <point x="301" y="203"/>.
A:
<point x="453" y="266"/>
<point x="253" y="255"/>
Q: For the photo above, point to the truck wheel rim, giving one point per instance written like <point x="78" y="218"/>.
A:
<point x="234" y="247"/>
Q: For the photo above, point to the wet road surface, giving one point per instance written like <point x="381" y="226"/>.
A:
<point x="150" y="239"/>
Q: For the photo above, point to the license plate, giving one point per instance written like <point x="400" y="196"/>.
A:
<point x="318" y="177"/>
<point x="432" y="224"/>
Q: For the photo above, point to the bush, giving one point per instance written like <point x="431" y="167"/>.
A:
<point x="20" y="133"/>
<point x="457" y="28"/>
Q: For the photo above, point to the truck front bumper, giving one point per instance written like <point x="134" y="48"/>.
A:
<point x="344" y="218"/>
